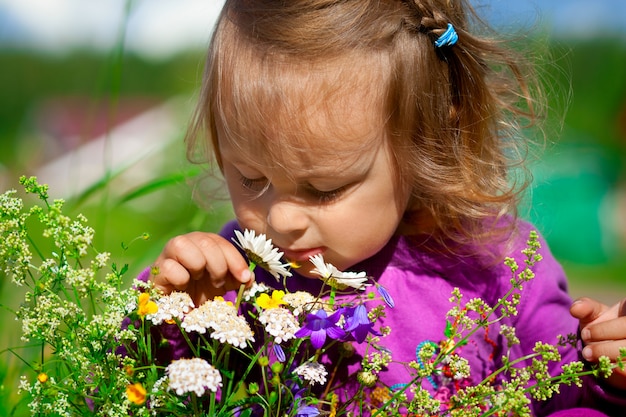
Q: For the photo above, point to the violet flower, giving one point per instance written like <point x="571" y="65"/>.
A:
<point x="307" y="411"/>
<point x="280" y="353"/>
<point x="386" y="296"/>
<point x="320" y="325"/>
<point x="358" y="323"/>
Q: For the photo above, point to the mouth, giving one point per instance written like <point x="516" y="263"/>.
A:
<point x="301" y="256"/>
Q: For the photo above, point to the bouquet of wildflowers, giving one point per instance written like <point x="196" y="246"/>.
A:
<point x="113" y="349"/>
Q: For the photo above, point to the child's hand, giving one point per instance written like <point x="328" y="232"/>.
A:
<point x="603" y="331"/>
<point x="202" y="264"/>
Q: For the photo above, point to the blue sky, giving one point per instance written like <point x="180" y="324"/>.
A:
<point x="160" y="27"/>
<point x="572" y="18"/>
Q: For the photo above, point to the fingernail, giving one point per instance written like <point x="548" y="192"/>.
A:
<point x="219" y="284"/>
<point x="246" y="275"/>
<point x="587" y="353"/>
<point x="585" y="334"/>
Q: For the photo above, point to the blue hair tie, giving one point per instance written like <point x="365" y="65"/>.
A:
<point x="447" y="38"/>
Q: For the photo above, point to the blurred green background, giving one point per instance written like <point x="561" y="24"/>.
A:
<point x="102" y="123"/>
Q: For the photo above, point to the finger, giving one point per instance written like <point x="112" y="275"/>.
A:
<point x="587" y="310"/>
<point x="171" y="276"/>
<point x="184" y="250"/>
<point x="622" y="308"/>
<point x="593" y="351"/>
<point x="236" y="265"/>
<point x="606" y="330"/>
<point x="230" y="269"/>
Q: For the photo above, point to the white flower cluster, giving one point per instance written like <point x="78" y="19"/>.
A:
<point x="174" y="305"/>
<point x="314" y="372"/>
<point x="303" y="302"/>
<point x="193" y="375"/>
<point x="221" y="317"/>
<point x="15" y="254"/>
<point x="280" y="323"/>
<point x="256" y="289"/>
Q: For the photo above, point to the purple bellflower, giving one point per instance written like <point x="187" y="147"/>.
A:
<point x="320" y="325"/>
<point x="358" y="323"/>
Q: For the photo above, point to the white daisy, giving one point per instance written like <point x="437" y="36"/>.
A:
<point x="324" y="270"/>
<point x="261" y="252"/>
<point x="313" y="372"/>
<point x="193" y="375"/>
<point x="335" y="277"/>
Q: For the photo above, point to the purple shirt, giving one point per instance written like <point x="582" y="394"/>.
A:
<point x="421" y="282"/>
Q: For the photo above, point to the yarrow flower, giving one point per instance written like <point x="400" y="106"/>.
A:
<point x="193" y="375"/>
<point x="314" y="372"/>
<point x="221" y="317"/>
<point x="261" y="252"/>
<point x="170" y="307"/>
<point x="335" y="277"/>
<point x="256" y="288"/>
<point x="280" y="323"/>
<point x="302" y="301"/>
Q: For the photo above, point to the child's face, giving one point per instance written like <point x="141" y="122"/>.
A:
<point x="334" y="193"/>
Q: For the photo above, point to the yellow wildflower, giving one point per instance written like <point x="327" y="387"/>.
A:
<point x="220" y="298"/>
<point x="334" y="402"/>
<point x="380" y="396"/>
<point x="42" y="377"/>
<point x="264" y="301"/>
<point x="136" y="393"/>
<point x="146" y="306"/>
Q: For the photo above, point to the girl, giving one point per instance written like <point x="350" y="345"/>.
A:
<point x="379" y="133"/>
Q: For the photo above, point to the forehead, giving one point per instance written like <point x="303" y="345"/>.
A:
<point x="286" y="112"/>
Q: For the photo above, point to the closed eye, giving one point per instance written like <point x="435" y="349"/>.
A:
<point x="258" y="185"/>
<point x="325" y="197"/>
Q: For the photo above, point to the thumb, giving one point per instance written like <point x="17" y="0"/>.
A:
<point x="587" y="310"/>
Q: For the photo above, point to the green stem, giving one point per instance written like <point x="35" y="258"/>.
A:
<point x="331" y="298"/>
<point x="242" y="287"/>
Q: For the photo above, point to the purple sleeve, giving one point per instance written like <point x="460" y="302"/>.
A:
<point x="544" y="314"/>
<point x="228" y="230"/>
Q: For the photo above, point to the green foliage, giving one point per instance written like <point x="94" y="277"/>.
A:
<point x="100" y="342"/>
<point x="28" y="78"/>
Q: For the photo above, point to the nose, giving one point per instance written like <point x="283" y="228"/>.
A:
<point x="286" y="217"/>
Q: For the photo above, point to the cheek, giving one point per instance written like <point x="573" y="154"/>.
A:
<point x="250" y="213"/>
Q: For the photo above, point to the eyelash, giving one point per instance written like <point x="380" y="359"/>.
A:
<point x="325" y="197"/>
<point x="260" y="184"/>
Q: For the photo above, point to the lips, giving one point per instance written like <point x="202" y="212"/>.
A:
<point x="302" y="255"/>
